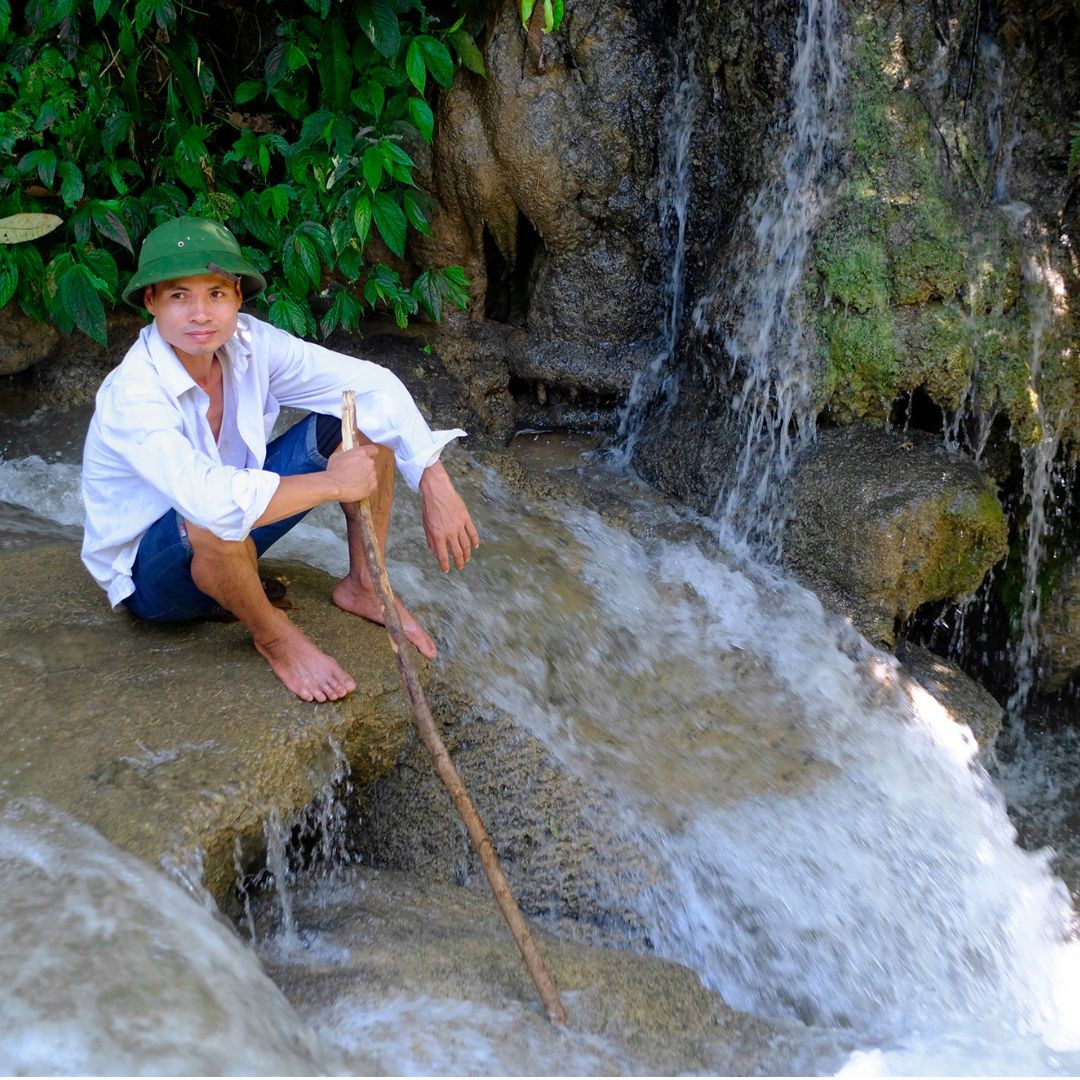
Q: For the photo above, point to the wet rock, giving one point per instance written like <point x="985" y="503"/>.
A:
<point x="1059" y="631"/>
<point x="891" y="522"/>
<point x="172" y="740"/>
<point x="958" y="692"/>
<point x="436" y="968"/>
<point x="23" y="341"/>
<point x="73" y="369"/>
<point x="545" y="184"/>
<point x="556" y="841"/>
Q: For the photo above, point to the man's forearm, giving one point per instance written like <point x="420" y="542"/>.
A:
<point x="295" y="494"/>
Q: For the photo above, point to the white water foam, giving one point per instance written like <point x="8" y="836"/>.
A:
<point x="110" y="968"/>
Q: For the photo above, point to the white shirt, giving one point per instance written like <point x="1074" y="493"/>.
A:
<point x="150" y="449"/>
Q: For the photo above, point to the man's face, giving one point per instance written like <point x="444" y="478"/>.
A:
<point x="195" y="315"/>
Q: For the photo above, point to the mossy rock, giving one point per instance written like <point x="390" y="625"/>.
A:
<point x="894" y="522"/>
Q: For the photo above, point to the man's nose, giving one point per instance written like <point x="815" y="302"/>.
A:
<point x="200" y="310"/>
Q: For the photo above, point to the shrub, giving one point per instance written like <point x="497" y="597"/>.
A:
<point x="290" y="120"/>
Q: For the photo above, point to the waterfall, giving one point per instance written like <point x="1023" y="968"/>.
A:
<point x="1045" y="290"/>
<point x="767" y="348"/>
<point x="674" y="205"/>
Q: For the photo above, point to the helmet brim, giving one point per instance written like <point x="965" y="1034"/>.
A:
<point x="176" y="265"/>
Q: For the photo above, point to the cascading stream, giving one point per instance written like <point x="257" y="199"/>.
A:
<point x="767" y="349"/>
<point x="675" y="176"/>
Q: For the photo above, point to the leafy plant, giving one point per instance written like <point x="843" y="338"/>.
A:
<point x="295" y="122"/>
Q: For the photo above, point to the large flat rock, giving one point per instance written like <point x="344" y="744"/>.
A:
<point x="176" y="740"/>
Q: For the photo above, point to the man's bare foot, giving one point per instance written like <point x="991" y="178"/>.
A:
<point x="359" y="601"/>
<point x="304" y="668"/>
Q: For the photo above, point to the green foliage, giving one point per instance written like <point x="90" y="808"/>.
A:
<point x="295" y="122"/>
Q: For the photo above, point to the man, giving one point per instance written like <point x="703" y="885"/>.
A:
<point x="182" y="492"/>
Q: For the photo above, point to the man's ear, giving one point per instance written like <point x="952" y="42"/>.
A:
<point x="148" y="298"/>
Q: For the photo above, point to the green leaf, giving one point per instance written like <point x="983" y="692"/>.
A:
<point x="335" y="66"/>
<point x="526" y="11"/>
<point x="5" y="16"/>
<point x="78" y="295"/>
<point x="559" y="8"/>
<point x="415" y="66"/>
<point x="422" y="118"/>
<point x="295" y="57"/>
<point x="186" y="81"/>
<point x="390" y="221"/>
<point x="115" y="131"/>
<point x="9" y="278"/>
<point x="290" y="313"/>
<point x="345" y="311"/>
<point x="274" y="201"/>
<point x="466" y="48"/>
<point x="103" y="266"/>
<point x="362" y="218"/>
<point x="433" y="289"/>
<point x="369" y="97"/>
<point x="44" y="161"/>
<point x="300" y="261"/>
<point x="319" y="235"/>
<point x="372" y="166"/>
<point x="274" y="65"/>
<point x="438" y="60"/>
<point x="379" y="22"/>
<point x="416" y="216"/>
<point x="108" y="223"/>
<point x="247" y="91"/>
<point x="71" y="182"/>
<point x="320" y="7"/>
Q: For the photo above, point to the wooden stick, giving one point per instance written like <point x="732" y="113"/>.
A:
<point x="436" y="748"/>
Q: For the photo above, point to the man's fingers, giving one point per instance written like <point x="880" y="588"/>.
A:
<point x="460" y="557"/>
<point x="474" y="536"/>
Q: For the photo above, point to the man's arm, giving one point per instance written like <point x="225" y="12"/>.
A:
<point x="349" y="477"/>
<point x="450" y="531"/>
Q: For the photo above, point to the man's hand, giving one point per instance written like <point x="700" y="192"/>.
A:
<point x="449" y="529"/>
<point x="354" y="472"/>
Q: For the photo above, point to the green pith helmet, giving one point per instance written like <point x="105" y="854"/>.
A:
<point x="188" y="247"/>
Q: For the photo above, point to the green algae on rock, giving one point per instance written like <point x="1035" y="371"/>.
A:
<point x="893" y="523"/>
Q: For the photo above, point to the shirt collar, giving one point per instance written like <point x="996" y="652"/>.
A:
<point x="176" y="378"/>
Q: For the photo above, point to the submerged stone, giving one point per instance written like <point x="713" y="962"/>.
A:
<point x="425" y="978"/>
<point x="173" y="741"/>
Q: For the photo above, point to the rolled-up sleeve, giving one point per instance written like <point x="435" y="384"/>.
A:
<point x="308" y="376"/>
<point x="145" y="430"/>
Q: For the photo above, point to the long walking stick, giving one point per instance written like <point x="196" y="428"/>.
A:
<point x="436" y="748"/>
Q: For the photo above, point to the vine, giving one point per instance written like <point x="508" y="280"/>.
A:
<point x="295" y="122"/>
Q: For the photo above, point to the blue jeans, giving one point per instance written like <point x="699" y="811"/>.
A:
<point x="164" y="590"/>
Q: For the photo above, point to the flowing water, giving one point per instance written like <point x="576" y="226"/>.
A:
<point x="767" y="348"/>
<point x="675" y="187"/>
<point x="826" y="846"/>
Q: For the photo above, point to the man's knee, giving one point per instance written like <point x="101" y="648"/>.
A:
<point x="206" y="543"/>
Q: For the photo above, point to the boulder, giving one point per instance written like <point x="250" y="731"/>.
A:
<point x="427" y="975"/>
<point x="23" y="341"/>
<point x="546" y="194"/>
<point x="175" y="741"/>
<point x="1059" y="630"/>
<point x="888" y="522"/>
<point x="72" y="372"/>
<point x="555" y="837"/>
